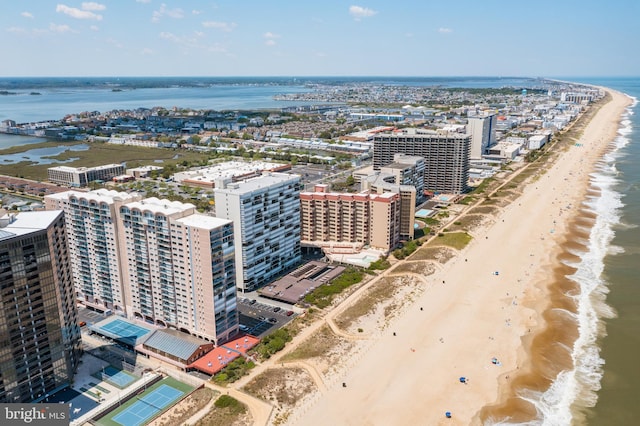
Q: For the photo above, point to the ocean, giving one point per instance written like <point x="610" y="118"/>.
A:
<point x="613" y="374"/>
<point x="602" y="386"/>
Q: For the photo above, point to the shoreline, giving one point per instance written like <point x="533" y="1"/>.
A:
<point x="501" y="313"/>
<point x="561" y="290"/>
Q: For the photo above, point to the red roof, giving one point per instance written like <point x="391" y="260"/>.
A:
<point x="218" y="358"/>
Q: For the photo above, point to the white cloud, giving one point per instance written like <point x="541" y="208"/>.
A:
<point x="146" y="51"/>
<point x="93" y="6"/>
<point x="270" y="38"/>
<point x="359" y="12"/>
<point x="59" y="28"/>
<point x="195" y="12"/>
<point x="94" y="28"/>
<point x="445" y="30"/>
<point x="143" y="1"/>
<point x="115" y="43"/>
<point x="222" y="26"/>
<point x="168" y="36"/>
<point x="321" y="55"/>
<point x="16" y="30"/>
<point x="77" y="13"/>
<point x="27" y="15"/>
<point x="217" y="48"/>
<point x="176" y="13"/>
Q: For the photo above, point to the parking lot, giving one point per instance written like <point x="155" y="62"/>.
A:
<point x="260" y="319"/>
<point x="88" y="316"/>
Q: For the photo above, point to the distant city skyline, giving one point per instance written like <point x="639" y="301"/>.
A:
<point x="333" y="38"/>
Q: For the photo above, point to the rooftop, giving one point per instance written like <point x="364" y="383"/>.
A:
<point x="218" y="358"/>
<point x="164" y="206"/>
<point x="27" y="222"/>
<point x="203" y="222"/>
<point x="99" y="195"/>
<point x="173" y="342"/>
<point x="252" y="184"/>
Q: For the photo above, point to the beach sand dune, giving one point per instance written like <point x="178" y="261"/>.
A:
<point x="489" y="306"/>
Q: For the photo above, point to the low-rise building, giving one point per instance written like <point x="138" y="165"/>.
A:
<point x="77" y="177"/>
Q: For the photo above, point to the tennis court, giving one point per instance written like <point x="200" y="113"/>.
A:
<point x="116" y="377"/>
<point x="125" y="329"/>
<point x="147" y="406"/>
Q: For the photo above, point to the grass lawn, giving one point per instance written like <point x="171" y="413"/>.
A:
<point x="98" y="154"/>
<point x="457" y="240"/>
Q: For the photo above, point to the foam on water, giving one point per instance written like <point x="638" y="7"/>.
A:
<point x="574" y="389"/>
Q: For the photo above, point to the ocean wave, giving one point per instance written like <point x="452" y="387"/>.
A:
<point x="576" y="389"/>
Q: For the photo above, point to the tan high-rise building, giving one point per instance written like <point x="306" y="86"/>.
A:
<point x="92" y="229"/>
<point x="369" y="219"/>
<point x="153" y="260"/>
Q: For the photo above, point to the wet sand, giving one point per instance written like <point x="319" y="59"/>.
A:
<point x="476" y="315"/>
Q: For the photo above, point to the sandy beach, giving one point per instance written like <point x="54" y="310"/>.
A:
<point x="485" y="303"/>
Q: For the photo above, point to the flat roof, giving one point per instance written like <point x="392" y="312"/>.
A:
<point x="295" y="285"/>
<point x="84" y="169"/>
<point x="258" y="182"/>
<point x="121" y="330"/>
<point x="226" y="170"/>
<point x="27" y="222"/>
<point x="203" y="222"/>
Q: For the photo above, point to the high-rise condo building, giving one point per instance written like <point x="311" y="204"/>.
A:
<point x="265" y="211"/>
<point x="40" y="344"/>
<point x="179" y="268"/>
<point x="92" y="230"/>
<point x="446" y="156"/>
<point x="483" y="134"/>
<point x="154" y="260"/>
<point x="365" y="219"/>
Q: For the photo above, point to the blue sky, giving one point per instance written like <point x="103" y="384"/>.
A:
<point x="320" y="37"/>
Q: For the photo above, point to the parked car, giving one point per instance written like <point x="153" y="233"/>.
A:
<point x="273" y="320"/>
<point x="276" y="309"/>
<point x="289" y="313"/>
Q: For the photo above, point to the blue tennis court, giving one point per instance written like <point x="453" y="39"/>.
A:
<point x="121" y="330"/>
<point x="125" y="329"/>
<point x="117" y="377"/>
<point x="146" y="407"/>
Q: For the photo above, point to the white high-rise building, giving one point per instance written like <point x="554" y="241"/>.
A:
<point x="265" y="211"/>
<point x="483" y="134"/>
